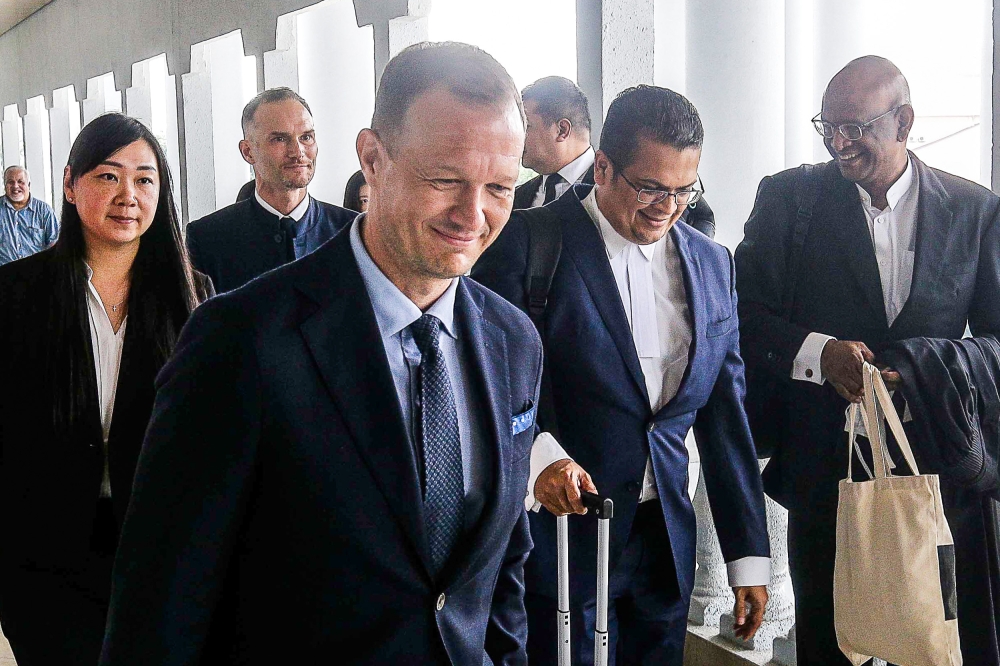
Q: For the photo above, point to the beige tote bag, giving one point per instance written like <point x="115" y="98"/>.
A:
<point x="894" y="579"/>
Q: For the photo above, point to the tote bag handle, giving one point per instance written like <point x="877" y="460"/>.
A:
<point x="876" y="409"/>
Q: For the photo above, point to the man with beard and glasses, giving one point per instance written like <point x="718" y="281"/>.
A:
<point x="280" y="222"/>
<point x="879" y="248"/>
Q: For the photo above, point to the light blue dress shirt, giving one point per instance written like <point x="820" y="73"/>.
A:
<point x="27" y="231"/>
<point x="394" y="313"/>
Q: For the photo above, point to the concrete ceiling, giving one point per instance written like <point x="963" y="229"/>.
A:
<point x="13" y="12"/>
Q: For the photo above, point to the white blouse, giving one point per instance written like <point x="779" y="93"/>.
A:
<point x="107" y="360"/>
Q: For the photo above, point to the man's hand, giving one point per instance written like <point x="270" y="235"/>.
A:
<point x="747" y="623"/>
<point x="841" y="364"/>
<point x="893" y="380"/>
<point x="558" y="487"/>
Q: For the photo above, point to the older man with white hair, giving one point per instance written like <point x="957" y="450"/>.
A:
<point x="27" y="225"/>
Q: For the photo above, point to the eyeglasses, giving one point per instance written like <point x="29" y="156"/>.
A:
<point x="653" y="197"/>
<point x="850" y="131"/>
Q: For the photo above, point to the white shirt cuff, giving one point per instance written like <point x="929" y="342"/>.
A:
<point x="749" y="571"/>
<point x="544" y="451"/>
<point x="807" y="366"/>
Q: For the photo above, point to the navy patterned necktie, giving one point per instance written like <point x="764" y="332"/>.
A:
<point x="444" y="490"/>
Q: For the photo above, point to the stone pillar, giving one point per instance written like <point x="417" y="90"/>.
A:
<point x="801" y="102"/>
<point x="12" y="132"/>
<point x="712" y="595"/>
<point x="37" y="154"/>
<point x="64" y="125"/>
<point x="314" y="38"/>
<point x="396" y="25"/>
<point x="102" y="97"/>
<point x="222" y="80"/>
<point x="735" y="66"/>
<point x="152" y="100"/>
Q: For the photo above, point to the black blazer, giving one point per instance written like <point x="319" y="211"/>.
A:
<point x="525" y="193"/>
<point x="49" y="485"/>
<point x="277" y="511"/>
<point x="956" y="279"/>
<point x="237" y="243"/>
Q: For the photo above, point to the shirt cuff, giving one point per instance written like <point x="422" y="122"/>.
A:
<point x="807" y="366"/>
<point x="544" y="451"/>
<point x="749" y="571"/>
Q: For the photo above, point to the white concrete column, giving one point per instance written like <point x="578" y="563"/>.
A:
<point x="670" y="45"/>
<point x="12" y="131"/>
<point x="37" y="155"/>
<point x="102" y="97"/>
<point x="735" y="56"/>
<point x="712" y="595"/>
<point x="152" y="100"/>
<point x="222" y="80"/>
<point x="627" y="45"/>
<point x="396" y="25"/>
<point x="801" y="103"/>
<point x="342" y="98"/>
<point x="281" y="66"/>
<point x="64" y="125"/>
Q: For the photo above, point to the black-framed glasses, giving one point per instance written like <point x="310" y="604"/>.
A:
<point x="850" y="131"/>
<point x="653" y="197"/>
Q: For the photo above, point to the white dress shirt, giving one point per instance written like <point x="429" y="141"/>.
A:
<point x="892" y="235"/>
<point x="650" y="281"/>
<point x="107" y="345"/>
<point x="572" y="173"/>
<point x="297" y="213"/>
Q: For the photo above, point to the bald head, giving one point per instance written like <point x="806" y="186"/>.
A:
<point x="872" y="95"/>
<point x="869" y="77"/>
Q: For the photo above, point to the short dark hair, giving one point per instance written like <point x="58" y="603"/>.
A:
<point x="466" y="71"/>
<point x="352" y="191"/>
<point x="267" y="97"/>
<point x="555" y="98"/>
<point x="649" y="112"/>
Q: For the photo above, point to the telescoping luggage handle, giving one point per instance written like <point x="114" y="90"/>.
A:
<point x="603" y="509"/>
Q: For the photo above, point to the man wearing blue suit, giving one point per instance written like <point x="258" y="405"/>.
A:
<point x="642" y="344"/>
<point x="336" y="464"/>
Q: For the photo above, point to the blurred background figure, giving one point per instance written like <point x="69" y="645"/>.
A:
<point x="85" y="327"/>
<point x="357" y="193"/>
<point x="27" y="224"/>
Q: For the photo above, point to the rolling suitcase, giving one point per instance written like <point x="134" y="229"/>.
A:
<point x="601" y="508"/>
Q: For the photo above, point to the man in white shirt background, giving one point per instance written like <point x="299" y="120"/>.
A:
<point x="557" y="142"/>
<point x="641" y="344"/>
<point x="876" y="247"/>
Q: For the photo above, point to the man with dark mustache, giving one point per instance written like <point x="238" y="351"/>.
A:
<point x="641" y="346"/>
<point x="280" y="222"/>
<point x="878" y="247"/>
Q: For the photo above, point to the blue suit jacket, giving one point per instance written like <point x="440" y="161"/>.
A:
<point x="602" y="407"/>
<point x="277" y="510"/>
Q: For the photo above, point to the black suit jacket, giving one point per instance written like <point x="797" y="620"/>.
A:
<point x="237" y="243"/>
<point x="956" y="280"/>
<point x="277" y="511"/>
<point x="525" y="193"/>
<point x="49" y="483"/>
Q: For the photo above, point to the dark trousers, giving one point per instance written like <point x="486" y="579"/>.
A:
<point x="647" y="619"/>
<point x="56" y="617"/>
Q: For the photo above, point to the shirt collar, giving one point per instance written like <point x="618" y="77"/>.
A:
<point x="393" y="310"/>
<point x="896" y="191"/>
<point x="297" y="213"/>
<point x="613" y="241"/>
<point x="7" y="202"/>
<point x="575" y="170"/>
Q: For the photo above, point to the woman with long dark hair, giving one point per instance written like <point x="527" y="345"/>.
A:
<point x="84" y="328"/>
<point x="357" y="193"/>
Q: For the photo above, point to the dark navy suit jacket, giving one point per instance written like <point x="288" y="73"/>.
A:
<point x="277" y="510"/>
<point x="237" y="243"/>
<point x="602" y="408"/>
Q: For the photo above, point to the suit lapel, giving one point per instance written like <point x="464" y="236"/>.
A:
<point x="486" y="346"/>
<point x="850" y="227"/>
<point x="340" y="333"/>
<point x="582" y="240"/>
<point x="932" y="230"/>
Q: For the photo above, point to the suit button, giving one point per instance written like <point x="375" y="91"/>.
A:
<point x="278" y="238"/>
<point x="632" y="486"/>
<point x="651" y="427"/>
<point x="770" y="356"/>
<point x="440" y="603"/>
